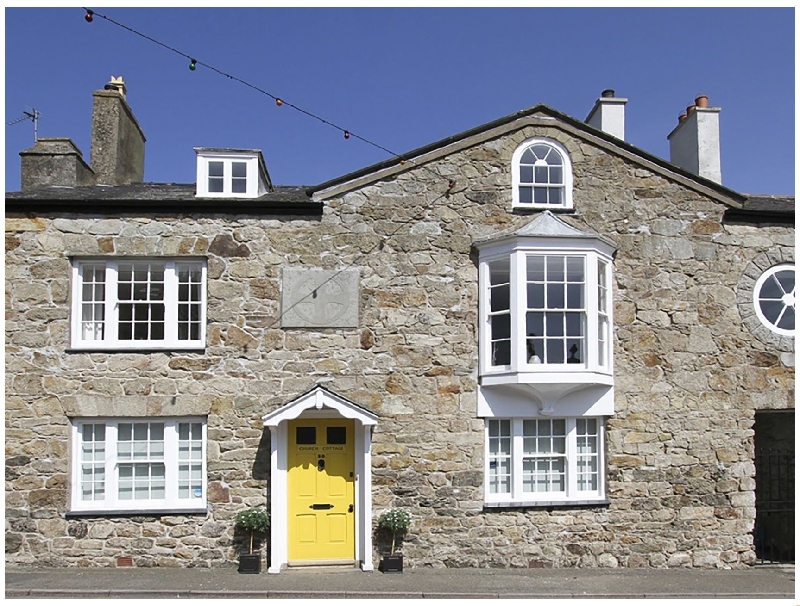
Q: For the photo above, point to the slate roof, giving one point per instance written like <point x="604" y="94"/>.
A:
<point x="764" y="208"/>
<point x="769" y="203"/>
<point x="298" y="200"/>
<point x="158" y="197"/>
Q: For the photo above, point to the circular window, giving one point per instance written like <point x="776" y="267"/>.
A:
<point x="773" y="298"/>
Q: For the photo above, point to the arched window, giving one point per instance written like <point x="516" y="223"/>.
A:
<point x="773" y="297"/>
<point x="542" y="175"/>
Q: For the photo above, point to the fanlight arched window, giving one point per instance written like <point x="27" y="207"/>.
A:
<point x="542" y="175"/>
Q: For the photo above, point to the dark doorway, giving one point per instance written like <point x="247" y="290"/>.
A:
<point x="774" y="444"/>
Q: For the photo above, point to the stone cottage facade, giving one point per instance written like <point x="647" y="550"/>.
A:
<point x="551" y="347"/>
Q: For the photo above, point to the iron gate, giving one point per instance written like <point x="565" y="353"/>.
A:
<point x="774" y="530"/>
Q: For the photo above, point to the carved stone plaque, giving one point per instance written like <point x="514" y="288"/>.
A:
<point x="319" y="298"/>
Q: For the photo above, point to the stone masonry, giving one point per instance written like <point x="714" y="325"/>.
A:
<point x="689" y="374"/>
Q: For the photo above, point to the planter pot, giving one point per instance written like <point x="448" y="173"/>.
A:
<point x="391" y="563"/>
<point x="250" y="563"/>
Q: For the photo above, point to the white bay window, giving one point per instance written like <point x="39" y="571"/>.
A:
<point x="546" y="311"/>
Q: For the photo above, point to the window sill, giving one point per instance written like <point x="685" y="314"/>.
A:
<point x="582" y="376"/>
<point x="143" y="349"/>
<point x="540" y="207"/>
<point x="137" y="512"/>
<point x="544" y="504"/>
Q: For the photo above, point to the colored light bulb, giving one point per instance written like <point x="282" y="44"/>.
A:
<point x="193" y="65"/>
<point x="89" y="18"/>
<point x="278" y="101"/>
<point x="346" y="134"/>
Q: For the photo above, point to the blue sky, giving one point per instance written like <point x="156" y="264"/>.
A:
<point x="400" y="78"/>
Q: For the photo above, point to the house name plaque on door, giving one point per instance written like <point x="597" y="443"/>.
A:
<point x="319" y="298"/>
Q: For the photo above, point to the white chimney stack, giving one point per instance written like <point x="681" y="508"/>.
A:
<point x="608" y="114"/>
<point x="694" y="143"/>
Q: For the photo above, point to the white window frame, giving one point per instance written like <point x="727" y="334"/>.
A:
<point x="516" y="496"/>
<point x="596" y="368"/>
<point x="567" y="177"/>
<point x="109" y="312"/>
<point x="108" y="463"/>
<point x="787" y="300"/>
<point x="227" y="160"/>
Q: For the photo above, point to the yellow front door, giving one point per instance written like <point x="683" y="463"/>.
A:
<point x="321" y="490"/>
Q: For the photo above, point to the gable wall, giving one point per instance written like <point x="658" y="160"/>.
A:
<point x="688" y="375"/>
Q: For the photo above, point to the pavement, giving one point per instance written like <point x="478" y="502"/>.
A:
<point x="759" y="582"/>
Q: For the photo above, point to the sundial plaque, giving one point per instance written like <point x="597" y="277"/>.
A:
<point x="319" y="298"/>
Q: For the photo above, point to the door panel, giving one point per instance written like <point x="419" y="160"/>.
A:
<point x="321" y="490"/>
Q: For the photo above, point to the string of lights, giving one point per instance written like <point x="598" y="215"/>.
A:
<point x="279" y="101"/>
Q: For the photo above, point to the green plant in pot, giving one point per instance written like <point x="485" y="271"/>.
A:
<point x="397" y="521"/>
<point x="254" y="520"/>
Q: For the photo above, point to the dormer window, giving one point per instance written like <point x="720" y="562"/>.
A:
<point x="228" y="173"/>
<point x="542" y="175"/>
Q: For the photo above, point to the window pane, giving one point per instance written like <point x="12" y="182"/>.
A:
<point x="500" y="297"/>
<point x="499" y="272"/>
<point x="785" y="278"/>
<point x="337" y="435"/>
<point x="555" y="351"/>
<point x="239" y="169"/>
<point x="540" y="151"/>
<point x="501" y="353"/>
<point x="555" y="268"/>
<point x="540" y="195"/>
<point x="786" y="321"/>
<point x="215" y="169"/>
<point x="556" y="175"/>
<point x="525" y="174"/>
<point x="540" y="174"/>
<point x="535" y="324"/>
<point x="140" y="431"/>
<point x="555" y="296"/>
<point x="574" y="323"/>
<point x="771" y="309"/>
<point x="575" y="296"/>
<point x="771" y="289"/>
<point x="535" y="351"/>
<point x="239" y="186"/>
<point x="575" y="350"/>
<point x="574" y="269"/>
<point x="306" y="435"/>
<point x="501" y="327"/>
<point x="554" y="157"/>
<point x="535" y="268"/>
<point x="526" y="195"/>
<point x="499" y="456"/>
<point x="554" y="324"/>
<point x="536" y="296"/>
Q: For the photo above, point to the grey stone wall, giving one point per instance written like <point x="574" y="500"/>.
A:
<point x="689" y="374"/>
